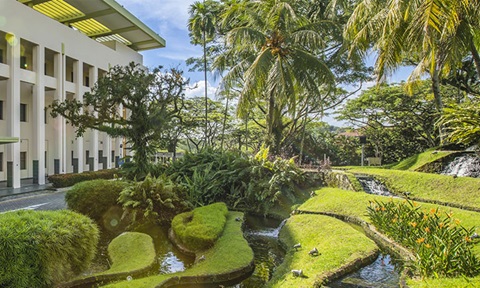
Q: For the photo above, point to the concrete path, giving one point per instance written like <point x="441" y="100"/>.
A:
<point x="46" y="200"/>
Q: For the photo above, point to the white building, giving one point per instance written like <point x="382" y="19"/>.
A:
<point x="57" y="49"/>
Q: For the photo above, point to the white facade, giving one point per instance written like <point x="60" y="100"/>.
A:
<point x="42" y="60"/>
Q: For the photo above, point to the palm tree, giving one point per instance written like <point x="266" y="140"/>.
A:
<point x="277" y="49"/>
<point x="202" y="27"/>
<point x="434" y="34"/>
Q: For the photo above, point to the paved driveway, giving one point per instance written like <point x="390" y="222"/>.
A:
<point x="42" y="201"/>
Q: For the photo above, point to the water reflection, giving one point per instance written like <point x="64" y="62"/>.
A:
<point x="382" y="273"/>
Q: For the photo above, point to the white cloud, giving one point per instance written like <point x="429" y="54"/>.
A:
<point x="197" y="89"/>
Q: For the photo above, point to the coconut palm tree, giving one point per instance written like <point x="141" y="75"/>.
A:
<point x="277" y="50"/>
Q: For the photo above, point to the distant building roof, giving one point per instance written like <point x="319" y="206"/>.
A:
<point x="350" y="134"/>
<point x="102" y="20"/>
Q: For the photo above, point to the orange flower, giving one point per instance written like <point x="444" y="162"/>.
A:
<point x="414" y="204"/>
<point x="383" y="208"/>
<point x="394" y="220"/>
<point x="420" y="240"/>
<point x="427" y="245"/>
<point x="468" y="239"/>
<point x="414" y="224"/>
<point x="427" y="229"/>
<point x="457" y="221"/>
<point x="425" y="217"/>
<point x="441" y="225"/>
<point x="432" y="211"/>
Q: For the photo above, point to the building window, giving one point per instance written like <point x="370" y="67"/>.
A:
<point x="1" y="161"/>
<point x="45" y="159"/>
<point x="23" y="160"/>
<point x="23" y="112"/>
<point x="1" y="110"/>
<point x="1" y="55"/>
<point x="87" y="81"/>
<point x="113" y="156"/>
<point x="45" y="115"/>
<point x="23" y="62"/>
<point x="87" y="156"/>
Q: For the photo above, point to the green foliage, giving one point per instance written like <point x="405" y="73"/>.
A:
<point x="199" y="229"/>
<point x="94" y="198"/>
<point x="252" y="183"/>
<point x="462" y="122"/>
<point x="152" y="99"/>
<point x="441" y="245"/>
<point x="418" y="160"/>
<point x="44" y="248"/>
<point x="70" y="179"/>
<point x="130" y="251"/>
<point x="154" y="199"/>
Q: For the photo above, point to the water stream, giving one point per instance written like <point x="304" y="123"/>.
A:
<point x="373" y="186"/>
<point x="467" y="165"/>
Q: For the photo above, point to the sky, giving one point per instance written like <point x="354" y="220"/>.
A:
<point x="169" y="18"/>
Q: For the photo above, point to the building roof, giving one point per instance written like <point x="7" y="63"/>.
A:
<point x="102" y="20"/>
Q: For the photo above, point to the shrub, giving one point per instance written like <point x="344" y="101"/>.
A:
<point x="157" y="199"/>
<point x="252" y="183"/>
<point x="200" y="228"/>
<point x="441" y="245"/>
<point x="70" y="179"/>
<point x="43" y="248"/>
<point x="98" y="200"/>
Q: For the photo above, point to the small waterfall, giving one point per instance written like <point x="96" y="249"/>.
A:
<point x="372" y="186"/>
<point x="467" y="165"/>
<point x="269" y="232"/>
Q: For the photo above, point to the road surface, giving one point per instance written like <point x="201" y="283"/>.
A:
<point x="44" y="201"/>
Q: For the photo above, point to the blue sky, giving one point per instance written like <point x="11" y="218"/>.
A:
<point x="169" y="18"/>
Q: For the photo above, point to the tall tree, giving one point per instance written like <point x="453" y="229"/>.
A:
<point x="434" y="34"/>
<point x="152" y="99"/>
<point x="277" y="49"/>
<point x="202" y="27"/>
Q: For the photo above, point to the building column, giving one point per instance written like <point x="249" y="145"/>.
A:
<point x="78" y="152"/>
<point x="59" y="122"/>
<point x="93" y="161"/>
<point x="39" y="116"/>
<point x="13" y="111"/>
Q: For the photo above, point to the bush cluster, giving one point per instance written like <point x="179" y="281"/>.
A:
<point x="247" y="182"/>
<point x="70" y="179"/>
<point x="154" y="199"/>
<point x="441" y="245"/>
<point x="98" y="200"/>
<point x="43" y="248"/>
<point x="200" y="228"/>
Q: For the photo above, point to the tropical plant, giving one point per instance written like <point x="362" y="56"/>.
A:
<point x="153" y="199"/>
<point x="441" y="245"/>
<point x="433" y="35"/>
<point x="147" y="96"/>
<point x="462" y="123"/>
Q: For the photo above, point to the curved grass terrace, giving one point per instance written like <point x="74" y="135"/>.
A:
<point x="353" y="204"/>
<point x="342" y="249"/>
<point x="462" y="192"/>
<point x="231" y="257"/>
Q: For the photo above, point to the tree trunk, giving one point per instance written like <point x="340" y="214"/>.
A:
<point x="224" y="123"/>
<point x="438" y="97"/>
<point x="475" y="56"/>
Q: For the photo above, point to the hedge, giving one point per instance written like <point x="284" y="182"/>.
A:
<point x="200" y="228"/>
<point x="70" y="179"/>
<point x="97" y="199"/>
<point x="44" y="248"/>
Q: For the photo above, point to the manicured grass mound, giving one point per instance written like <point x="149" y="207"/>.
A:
<point x="43" y="248"/>
<point x="95" y="198"/>
<point x="461" y="191"/>
<point x="230" y="253"/>
<point x="416" y="161"/>
<point x="337" y="242"/>
<point x="355" y="204"/>
<point x="200" y="228"/>
<point x="130" y="251"/>
<point x="70" y="179"/>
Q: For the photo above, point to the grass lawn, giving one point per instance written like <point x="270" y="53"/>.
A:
<point x="416" y="161"/>
<point x="324" y="233"/>
<point x="230" y="252"/>
<point x="355" y="203"/>
<point x="464" y="191"/>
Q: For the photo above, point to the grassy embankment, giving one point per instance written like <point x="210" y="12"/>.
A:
<point x="325" y="234"/>
<point x="354" y="204"/>
<point x="460" y="191"/>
